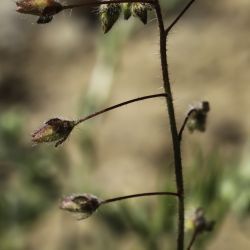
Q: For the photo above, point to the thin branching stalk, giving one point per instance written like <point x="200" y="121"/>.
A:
<point x="185" y="123"/>
<point x="194" y="236"/>
<point x="138" y="195"/>
<point x="169" y="28"/>
<point x="119" y="105"/>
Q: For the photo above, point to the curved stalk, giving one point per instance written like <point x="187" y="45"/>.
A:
<point x="138" y="195"/>
<point x="185" y="123"/>
<point x="189" y="4"/>
<point x="119" y="105"/>
<point x="192" y="240"/>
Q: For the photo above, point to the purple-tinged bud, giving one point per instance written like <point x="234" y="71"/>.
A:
<point x="54" y="130"/>
<point x="198" y="117"/>
<point x="83" y="205"/>
<point x="200" y="223"/>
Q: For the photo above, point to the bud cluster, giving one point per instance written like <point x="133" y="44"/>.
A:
<point x="109" y="13"/>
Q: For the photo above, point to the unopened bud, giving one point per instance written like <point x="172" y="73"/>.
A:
<point x="127" y="12"/>
<point x="109" y="14"/>
<point x="198" y="117"/>
<point x="83" y="205"/>
<point x="140" y="10"/>
<point x="54" y="130"/>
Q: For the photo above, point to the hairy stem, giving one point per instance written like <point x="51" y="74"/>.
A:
<point x="138" y="195"/>
<point x="174" y="132"/>
<point x="179" y="17"/>
<point x="120" y="105"/>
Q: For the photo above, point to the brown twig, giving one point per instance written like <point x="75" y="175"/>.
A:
<point x="119" y="105"/>
<point x="179" y="17"/>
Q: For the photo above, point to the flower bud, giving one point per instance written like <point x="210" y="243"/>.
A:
<point x="83" y="205"/>
<point x="140" y="10"/>
<point x="198" y="117"/>
<point x="127" y="10"/>
<point x="54" y="130"/>
<point x="109" y="14"/>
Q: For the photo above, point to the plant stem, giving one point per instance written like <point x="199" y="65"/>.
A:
<point x="174" y="132"/>
<point x="184" y="123"/>
<point x="179" y="17"/>
<point x="99" y="2"/>
<point x="119" y="105"/>
<point x="138" y="195"/>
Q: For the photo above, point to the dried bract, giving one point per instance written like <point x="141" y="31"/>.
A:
<point x="54" y="130"/>
<point x="83" y="205"/>
<point x="109" y="14"/>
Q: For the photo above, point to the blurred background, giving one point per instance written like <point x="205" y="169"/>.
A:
<point x="69" y="69"/>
